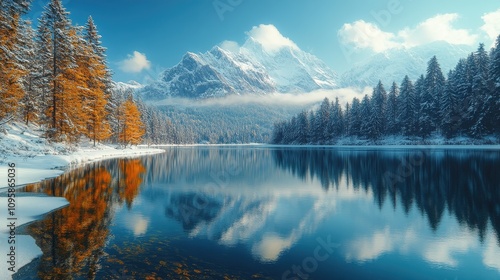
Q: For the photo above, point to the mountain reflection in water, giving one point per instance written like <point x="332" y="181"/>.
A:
<point x="243" y="212"/>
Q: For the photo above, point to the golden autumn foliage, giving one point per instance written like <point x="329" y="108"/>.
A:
<point x="94" y="98"/>
<point x="131" y="171"/>
<point x="11" y="71"/>
<point x="131" y="126"/>
<point x="74" y="237"/>
<point x="79" y="97"/>
<point x="58" y="78"/>
<point x="68" y="94"/>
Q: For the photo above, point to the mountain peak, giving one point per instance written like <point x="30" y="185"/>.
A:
<point x="267" y="62"/>
<point x="189" y="56"/>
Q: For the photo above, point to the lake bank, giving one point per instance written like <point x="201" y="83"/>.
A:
<point x="433" y="140"/>
<point x="37" y="159"/>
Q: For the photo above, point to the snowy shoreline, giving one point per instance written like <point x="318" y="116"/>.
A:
<point x="39" y="168"/>
<point x="37" y="159"/>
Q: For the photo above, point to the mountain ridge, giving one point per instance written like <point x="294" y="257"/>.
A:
<point x="251" y="69"/>
<point x="254" y="68"/>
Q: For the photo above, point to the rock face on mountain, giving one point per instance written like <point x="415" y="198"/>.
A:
<point x="394" y="64"/>
<point x="251" y="69"/>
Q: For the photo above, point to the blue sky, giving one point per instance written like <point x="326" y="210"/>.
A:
<point x="145" y="36"/>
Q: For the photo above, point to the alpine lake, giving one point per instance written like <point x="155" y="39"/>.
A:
<point x="270" y="212"/>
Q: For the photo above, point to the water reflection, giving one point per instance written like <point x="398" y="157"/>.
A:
<point x="464" y="183"/>
<point x="129" y="179"/>
<point x="239" y="212"/>
<point x="456" y="191"/>
<point x="72" y="239"/>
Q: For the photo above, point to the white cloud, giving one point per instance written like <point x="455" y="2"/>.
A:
<point x="437" y="28"/>
<point x="365" y="35"/>
<point x="270" y="38"/>
<point x="444" y="251"/>
<point x="371" y="247"/>
<point x="381" y="242"/>
<point x="137" y="223"/>
<point x="272" y="246"/>
<point x="491" y="254"/>
<point x="135" y="63"/>
<point x="250" y="223"/>
<point x="231" y="46"/>
<point x="491" y="24"/>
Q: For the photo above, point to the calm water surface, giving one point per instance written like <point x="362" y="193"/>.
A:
<point x="275" y="213"/>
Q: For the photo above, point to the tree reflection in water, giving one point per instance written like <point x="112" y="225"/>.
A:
<point x="72" y="240"/>
<point x="465" y="183"/>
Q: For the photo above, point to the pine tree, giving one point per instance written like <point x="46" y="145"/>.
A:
<point x="293" y="130"/>
<point x="462" y="95"/>
<point x="425" y="122"/>
<point x="355" y="117"/>
<point x="312" y="125"/>
<point x="448" y="122"/>
<point x="467" y="93"/>
<point x="347" y="119"/>
<point x="159" y="128"/>
<point x="434" y="86"/>
<point x="146" y="119"/>
<point x="31" y="102"/>
<point x="337" y="119"/>
<point x="115" y="99"/>
<point x="303" y="128"/>
<point x="56" y="23"/>
<point x="494" y="104"/>
<point x="97" y="83"/>
<point x="43" y="58"/>
<point x="131" y="126"/>
<point x="377" y="122"/>
<point x="72" y="104"/>
<point x="480" y="92"/>
<point x="278" y="133"/>
<point x="366" y="116"/>
<point x="323" y="122"/>
<point x="11" y="66"/>
<point x="407" y="107"/>
<point x="392" y="110"/>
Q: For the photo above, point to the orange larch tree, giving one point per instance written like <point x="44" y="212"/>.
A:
<point x="56" y="23"/>
<point x="97" y="76"/>
<point x="131" y="126"/>
<point x="73" y="107"/>
<point x="11" y="68"/>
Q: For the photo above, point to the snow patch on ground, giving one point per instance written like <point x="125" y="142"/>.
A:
<point x="37" y="159"/>
<point x="27" y="209"/>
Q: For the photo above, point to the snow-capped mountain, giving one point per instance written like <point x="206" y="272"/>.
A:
<point x="394" y="64"/>
<point x="249" y="69"/>
<point x="130" y="86"/>
<point x="290" y="68"/>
